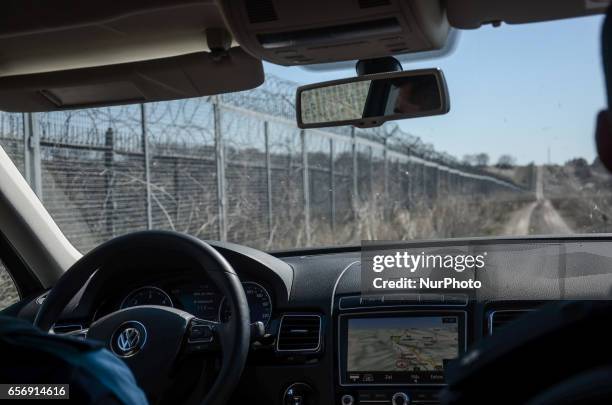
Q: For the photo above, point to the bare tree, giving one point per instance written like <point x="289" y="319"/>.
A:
<point x="481" y="159"/>
<point x="468" y="160"/>
<point x="506" y="162"/>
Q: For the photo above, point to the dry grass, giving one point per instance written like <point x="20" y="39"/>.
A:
<point x="582" y="195"/>
<point x="8" y="293"/>
<point x="450" y="217"/>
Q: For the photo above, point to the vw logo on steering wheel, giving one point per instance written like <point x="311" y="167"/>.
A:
<point x="128" y="339"/>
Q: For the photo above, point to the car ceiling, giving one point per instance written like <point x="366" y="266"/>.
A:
<point x="58" y="55"/>
<point x="67" y="34"/>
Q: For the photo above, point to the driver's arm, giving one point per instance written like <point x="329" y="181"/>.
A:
<point x="94" y="374"/>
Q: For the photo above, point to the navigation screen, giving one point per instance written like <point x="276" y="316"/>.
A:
<point x="401" y="350"/>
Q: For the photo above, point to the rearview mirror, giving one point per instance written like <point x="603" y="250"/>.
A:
<point x="371" y="100"/>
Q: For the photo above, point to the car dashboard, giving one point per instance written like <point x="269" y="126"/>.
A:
<point x="325" y="342"/>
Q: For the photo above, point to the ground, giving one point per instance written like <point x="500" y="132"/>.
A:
<point x="538" y="217"/>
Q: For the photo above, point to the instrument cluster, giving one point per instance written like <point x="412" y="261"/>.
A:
<point x="202" y="300"/>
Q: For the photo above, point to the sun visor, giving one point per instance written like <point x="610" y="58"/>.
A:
<point x="185" y="76"/>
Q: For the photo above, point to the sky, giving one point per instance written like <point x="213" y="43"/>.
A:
<point x="531" y="91"/>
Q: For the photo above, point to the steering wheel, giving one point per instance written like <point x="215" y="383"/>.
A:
<point x="151" y="339"/>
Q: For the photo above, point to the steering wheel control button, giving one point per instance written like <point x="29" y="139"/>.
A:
<point x="347" y="399"/>
<point x="128" y="339"/>
<point x="400" y="398"/>
<point x="201" y="337"/>
<point x="200" y="333"/>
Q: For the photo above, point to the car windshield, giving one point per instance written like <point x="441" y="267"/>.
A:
<point x="514" y="156"/>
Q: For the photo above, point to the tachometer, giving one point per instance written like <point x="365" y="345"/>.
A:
<point x="148" y="295"/>
<point x="260" y="304"/>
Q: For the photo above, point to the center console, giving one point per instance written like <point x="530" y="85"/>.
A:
<point x="394" y="351"/>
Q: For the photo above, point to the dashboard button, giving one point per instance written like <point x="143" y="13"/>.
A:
<point x="200" y="333"/>
<point x="350" y="302"/>
<point x="424" y="396"/>
<point x="372" y="301"/>
<point x="432" y="299"/>
<point x="400" y="398"/>
<point x="299" y="394"/>
<point x="380" y="396"/>
<point x="402" y="299"/>
<point x="347" y="399"/>
<point x="455" y="299"/>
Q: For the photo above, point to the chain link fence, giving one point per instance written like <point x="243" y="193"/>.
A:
<point x="232" y="167"/>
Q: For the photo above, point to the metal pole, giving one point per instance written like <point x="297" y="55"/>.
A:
<point x="410" y="179"/>
<point x="306" y="186"/>
<point x="32" y="157"/>
<point x="177" y="185"/>
<point x="437" y="188"/>
<point x="109" y="157"/>
<point x="220" y="160"/>
<point x="385" y="172"/>
<point x="371" y="170"/>
<point x="355" y="189"/>
<point x="332" y="187"/>
<point x="424" y="186"/>
<point x="268" y="178"/>
<point x="147" y="162"/>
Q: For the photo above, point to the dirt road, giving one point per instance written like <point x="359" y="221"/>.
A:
<point x="539" y="217"/>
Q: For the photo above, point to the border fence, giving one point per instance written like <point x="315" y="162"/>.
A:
<point x="232" y="167"/>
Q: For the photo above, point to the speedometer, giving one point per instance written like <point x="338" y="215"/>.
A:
<point x="148" y="295"/>
<point x="260" y="304"/>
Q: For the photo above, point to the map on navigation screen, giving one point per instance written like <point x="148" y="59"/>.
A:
<point x="413" y="344"/>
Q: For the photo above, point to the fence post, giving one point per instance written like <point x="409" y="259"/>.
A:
<point x="385" y="171"/>
<point x="411" y="180"/>
<point x="371" y="170"/>
<point x="147" y="163"/>
<point x="177" y="185"/>
<point x="306" y="186"/>
<point x="437" y="180"/>
<point x="109" y="157"/>
<point x="424" y="184"/>
<point x="332" y="187"/>
<point x="355" y="188"/>
<point x="32" y="158"/>
<point x="443" y="182"/>
<point x="268" y="179"/>
<point x="220" y="160"/>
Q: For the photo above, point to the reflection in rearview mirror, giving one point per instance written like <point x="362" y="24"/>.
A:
<point x="373" y="99"/>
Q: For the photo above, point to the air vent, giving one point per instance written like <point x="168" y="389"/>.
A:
<point x="373" y="3"/>
<point x="299" y="333"/>
<point x="260" y="11"/>
<point x="498" y="319"/>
